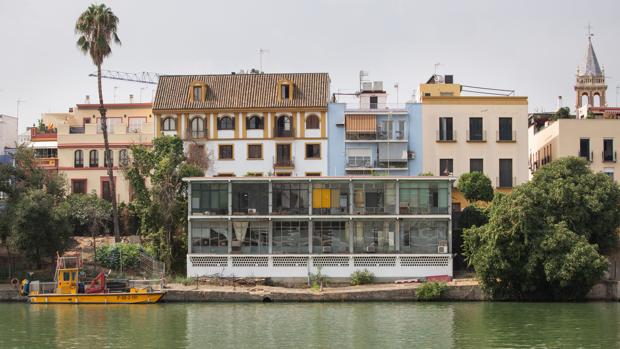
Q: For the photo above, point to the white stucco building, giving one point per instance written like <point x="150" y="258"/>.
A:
<point x="8" y="132"/>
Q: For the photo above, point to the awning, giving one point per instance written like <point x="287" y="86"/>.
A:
<point x="44" y="145"/>
<point x="361" y="123"/>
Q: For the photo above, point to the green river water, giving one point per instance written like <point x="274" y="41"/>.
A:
<point x="312" y="325"/>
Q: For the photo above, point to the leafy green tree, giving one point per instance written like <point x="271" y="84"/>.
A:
<point x="162" y="206"/>
<point x="471" y="216"/>
<point x="97" y="28"/>
<point x="543" y="239"/>
<point x="475" y="186"/>
<point x="562" y="113"/>
<point x="87" y="213"/>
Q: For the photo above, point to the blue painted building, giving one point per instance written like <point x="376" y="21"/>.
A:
<point x="374" y="138"/>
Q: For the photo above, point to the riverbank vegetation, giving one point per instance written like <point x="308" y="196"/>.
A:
<point x="546" y="239"/>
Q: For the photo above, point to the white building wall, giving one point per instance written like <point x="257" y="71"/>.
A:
<point x="8" y="132"/>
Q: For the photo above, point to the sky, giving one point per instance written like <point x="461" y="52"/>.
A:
<point x="533" y="47"/>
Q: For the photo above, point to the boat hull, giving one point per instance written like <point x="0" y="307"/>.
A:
<point x="98" y="298"/>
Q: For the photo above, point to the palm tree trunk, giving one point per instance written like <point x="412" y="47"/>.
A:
<point x="106" y="146"/>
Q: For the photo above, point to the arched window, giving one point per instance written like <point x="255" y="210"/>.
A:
<point x="596" y="100"/>
<point x="108" y="158"/>
<point x="284" y="127"/>
<point x="93" y="157"/>
<point x="585" y="99"/>
<point x="123" y="158"/>
<point x="255" y="123"/>
<point x="313" y="122"/>
<point x="226" y="123"/>
<point x="197" y="126"/>
<point x="78" y="159"/>
<point x="169" y="124"/>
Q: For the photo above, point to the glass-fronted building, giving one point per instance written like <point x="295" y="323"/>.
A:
<point x="286" y="227"/>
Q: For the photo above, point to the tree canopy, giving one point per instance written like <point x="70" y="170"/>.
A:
<point x="475" y="186"/>
<point x="543" y="239"/>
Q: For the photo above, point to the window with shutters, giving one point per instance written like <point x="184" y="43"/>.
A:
<point x="255" y="151"/>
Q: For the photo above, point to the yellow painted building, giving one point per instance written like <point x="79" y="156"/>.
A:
<point x="81" y="150"/>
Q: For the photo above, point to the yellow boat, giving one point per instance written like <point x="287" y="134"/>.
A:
<point x="67" y="289"/>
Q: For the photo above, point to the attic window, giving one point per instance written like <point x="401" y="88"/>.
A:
<point x="197" y="91"/>
<point x="285" y="89"/>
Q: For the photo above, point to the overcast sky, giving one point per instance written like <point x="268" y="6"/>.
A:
<point x="533" y="47"/>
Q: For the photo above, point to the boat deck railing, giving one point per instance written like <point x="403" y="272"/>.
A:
<point x="40" y="287"/>
<point x="153" y="284"/>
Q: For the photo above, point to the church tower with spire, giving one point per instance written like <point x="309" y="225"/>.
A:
<point x="590" y="87"/>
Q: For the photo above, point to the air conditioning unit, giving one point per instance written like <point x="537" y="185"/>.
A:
<point x="442" y="249"/>
<point x="251" y="211"/>
<point x="411" y="155"/>
<point x="367" y="86"/>
<point x="378" y="86"/>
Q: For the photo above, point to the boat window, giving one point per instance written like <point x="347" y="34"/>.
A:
<point x="65" y="276"/>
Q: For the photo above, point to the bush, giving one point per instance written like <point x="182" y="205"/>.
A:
<point x="318" y="280"/>
<point x="430" y="291"/>
<point x="113" y="256"/>
<point x="362" y="277"/>
<point x="475" y="186"/>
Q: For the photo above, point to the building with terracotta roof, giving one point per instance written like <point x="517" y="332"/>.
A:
<point x="248" y="124"/>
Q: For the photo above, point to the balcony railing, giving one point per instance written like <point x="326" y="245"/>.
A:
<point x="506" y="183"/>
<point x="610" y="157"/>
<point x="280" y="132"/>
<point x="353" y="163"/>
<point x="379" y="134"/>
<point x="47" y="162"/>
<point x="477" y="137"/>
<point x="77" y="129"/>
<point x="503" y="137"/>
<point x="588" y="157"/>
<point x="169" y="132"/>
<point x="445" y="137"/>
<point x="194" y="134"/>
<point x="283" y="163"/>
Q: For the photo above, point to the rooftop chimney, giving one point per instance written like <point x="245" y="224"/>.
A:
<point x="87" y="99"/>
<point x="559" y="102"/>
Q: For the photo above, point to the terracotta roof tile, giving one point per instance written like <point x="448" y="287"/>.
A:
<point x="232" y="91"/>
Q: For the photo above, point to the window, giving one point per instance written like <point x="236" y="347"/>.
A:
<point x="423" y="197"/>
<point x="374" y="102"/>
<point x="505" y="173"/>
<point x="225" y="152"/>
<point x="284" y="127"/>
<point x="255" y="151"/>
<point x="290" y="198"/>
<point x="169" y="124"/>
<point x="93" y="158"/>
<point x="584" y="148"/>
<point x="78" y="159"/>
<point x="313" y="122"/>
<point x="313" y="174"/>
<point x="108" y="158"/>
<point x="373" y="237"/>
<point x="106" y="190"/>
<point x="330" y="198"/>
<point x="209" y="199"/>
<point x="475" y="129"/>
<point x="445" y="167"/>
<point x="374" y="197"/>
<point x="250" y="198"/>
<point x="196" y="92"/>
<point x="226" y="123"/>
<point x="505" y="129"/>
<point x="290" y="237"/>
<point x="197" y="127"/>
<point x="608" y="150"/>
<point x="209" y="237"/>
<point x="609" y="171"/>
<point x="423" y="235"/>
<point x="283" y="155"/>
<point x="445" y="129"/>
<point x="330" y="237"/>
<point x="78" y="186"/>
<point x="285" y="91"/>
<point x="254" y="123"/>
<point x="476" y="165"/>
<point x="136" y="125"/>
<point x="123" y="157"/>
<point x="254" y="236"/>
<point x="313" y="151"/>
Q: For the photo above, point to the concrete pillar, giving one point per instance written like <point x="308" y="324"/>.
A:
<point x="310" y="232"/>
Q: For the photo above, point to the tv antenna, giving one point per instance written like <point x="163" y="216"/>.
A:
<point x="437" y="65"/>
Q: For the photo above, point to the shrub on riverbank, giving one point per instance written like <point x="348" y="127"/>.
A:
<point x="430" y="291"/>
<point x="362" y="277"/>
<point x="117" y="255"/>
<point x="543" y="239"/>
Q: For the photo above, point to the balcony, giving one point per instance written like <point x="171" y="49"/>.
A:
<point x="378" y="135"/>
<point x="609" y="156"/>
<point x="47" y="135"/>
<point x="195" y="134"/>
<point x="169" y="133"/>
<point x="507" y="182"/>
<point x="477" y="136"/>
<point x="362" y="163"/>
<point x="280" y="132"/>
<point x="506" y="136"/>
<point x="47" y="163"/>
<point x="588" y="157"/>
<point x="77" y="129"/>
<point x="281" y="163"/>
<point x="445" y="136"/>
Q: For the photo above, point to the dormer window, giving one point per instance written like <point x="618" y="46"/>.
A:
<point x="285" y="90"/>
<point x="198" y="92"/>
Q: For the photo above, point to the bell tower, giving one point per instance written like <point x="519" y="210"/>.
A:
<point x="590" y="87"/>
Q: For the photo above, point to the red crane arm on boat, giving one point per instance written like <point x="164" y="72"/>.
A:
<point x="97" y="285"/>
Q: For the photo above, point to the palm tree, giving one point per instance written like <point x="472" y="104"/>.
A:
<point x="97" y="29"/>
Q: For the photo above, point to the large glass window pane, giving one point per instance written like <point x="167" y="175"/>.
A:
<point x="209" y="237"/>
<point x="423" y="235"/>
<point x="505" y="129"/>
<point x="475" y="129"/>
<point x="250" y="198"/>
<point x="424" y="197"/>
<point x="330" y="237"/>
<point x="290" y="237"/>
<point x="374" y="197"/>
<point x="608" y="150"/>
<point x="584" y="148"/>
<point x="374" y="236"/>
<point x="445" y="129"/>
<point x="250" y="237"/>
<point x="210" y="199"/>
<point x="330" y="198"/>
<point x="505" y="173"/>
<point x="290" y="198"/>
